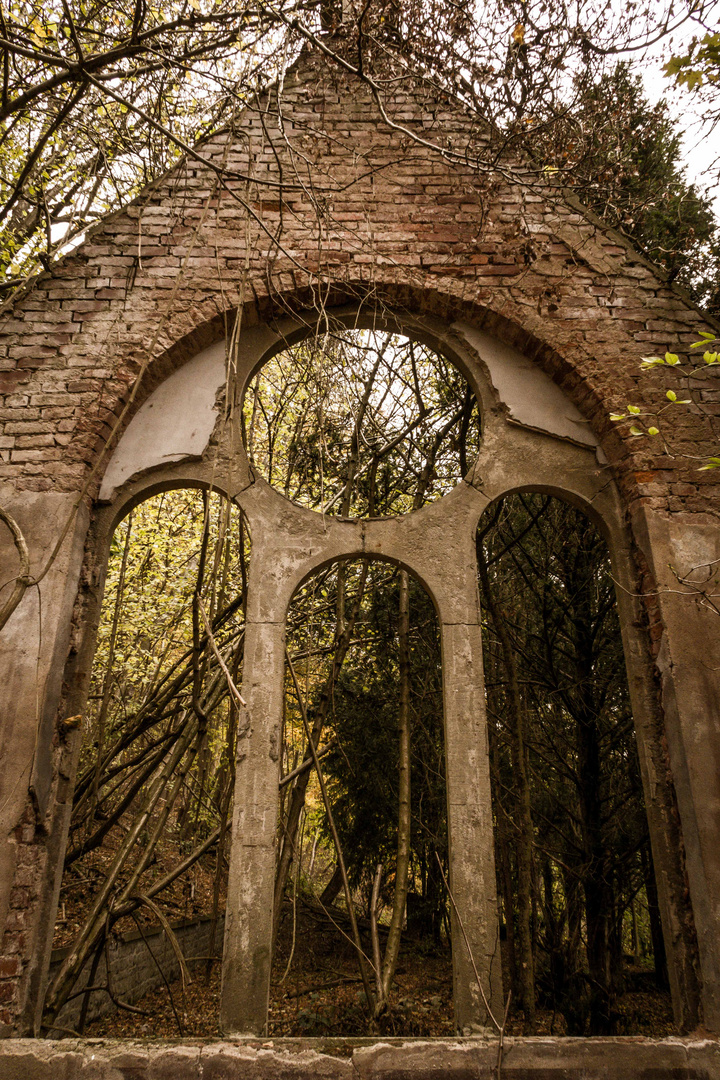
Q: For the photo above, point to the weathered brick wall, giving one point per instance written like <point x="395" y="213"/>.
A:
<point x="133" y="971"/>
<point x="367" y="209"/>
<point x="23" y="898"/>
<point x="337" y="206"/>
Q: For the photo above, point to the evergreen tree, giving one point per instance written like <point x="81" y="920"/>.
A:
<point x="624" y="159"/>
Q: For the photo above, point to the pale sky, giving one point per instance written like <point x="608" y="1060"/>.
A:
<point x="701" y="147"/>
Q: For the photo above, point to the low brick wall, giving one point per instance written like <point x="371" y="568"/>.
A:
<point x="133" y="971"/>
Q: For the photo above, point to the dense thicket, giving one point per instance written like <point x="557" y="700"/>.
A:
<point x="361" y="422"/>
<point x="568" y="798"/>
<point x="156" y="774"/>
<point x="362" y="766"/>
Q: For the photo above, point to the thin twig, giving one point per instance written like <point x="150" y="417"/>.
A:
<point x="377" y="959"/>
<point x="23" y="579"/>
<point x="163" y="976"/>
<point x="298" y="865"/>
<point x="307" y="764"/>
<point x="174" y="943"/>
<point x="223" y="666"/>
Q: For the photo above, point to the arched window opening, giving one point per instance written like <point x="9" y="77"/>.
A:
<point x="363" y="676"/>
<point x="143" y="889"/>
<point x="583" y="948"/>
<point x="361" y="423"/>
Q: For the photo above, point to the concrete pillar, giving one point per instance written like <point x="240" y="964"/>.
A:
<point x="248" y="921"/>
<point x="438" y="544"/>
<point x="665" y="829"/>
<point x="35" y="644"/>
<point x="470" y="828"/>
<point x="687" y="546"/>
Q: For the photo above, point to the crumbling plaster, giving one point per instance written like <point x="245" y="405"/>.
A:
<point x="177" y="420"/>
<point x="33" y="663"/>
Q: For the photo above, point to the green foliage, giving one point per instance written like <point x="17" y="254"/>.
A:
<point x="145" y="641"/>
<point x="699" y="67"/>
<point x="99" y="100"/>
<point x="624" y="158"/>
<point x="644" y="422"/>
<point x="156" y="776"/>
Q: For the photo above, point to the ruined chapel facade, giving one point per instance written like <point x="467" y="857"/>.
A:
<point x="121" y="371"/>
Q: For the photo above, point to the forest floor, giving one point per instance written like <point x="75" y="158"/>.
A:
<point x="321" y="995"/>
<point x="189" y="896"/>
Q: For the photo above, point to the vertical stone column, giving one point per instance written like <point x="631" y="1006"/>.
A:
<point x="247" y="955"/>
<point x="470" y="829"/>
<point x="438" y="544"/>
<point x="687" y="546"/>
<point x="666" y="839"/>
<point x="33" y="654"/>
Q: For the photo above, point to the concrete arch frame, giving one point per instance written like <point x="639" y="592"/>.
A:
<point x="533" y="438"/>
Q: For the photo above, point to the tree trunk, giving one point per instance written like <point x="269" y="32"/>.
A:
<point x="297" y="797"/>
<point x="333" y="887"/>
<point x="656" y="931"/>
<point x="522" y="786"/>
<point x="595" y="886"/>
<point x="402" y="861"/>
<point x="504" y="873"/>
<point x="574" y="989"/>
<point x="595" y="872"/>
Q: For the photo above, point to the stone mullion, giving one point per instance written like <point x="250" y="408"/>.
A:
<point x="247" y="956"/>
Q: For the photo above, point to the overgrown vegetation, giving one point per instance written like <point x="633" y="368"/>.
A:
<point x="624" y="157"/>
<point x="361" y="422"/>
<point x="97" y="101"/>
<point x="574" y="862"/>
<point x="156" y="776"/>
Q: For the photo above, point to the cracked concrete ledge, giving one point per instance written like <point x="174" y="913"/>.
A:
<point x="627" y="1058"/>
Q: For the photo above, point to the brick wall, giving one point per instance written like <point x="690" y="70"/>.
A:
<point x="133" y="972"/>
<point x="366" y="209"/>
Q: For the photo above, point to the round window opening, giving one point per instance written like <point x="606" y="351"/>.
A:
<point x="361" y="423"/>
